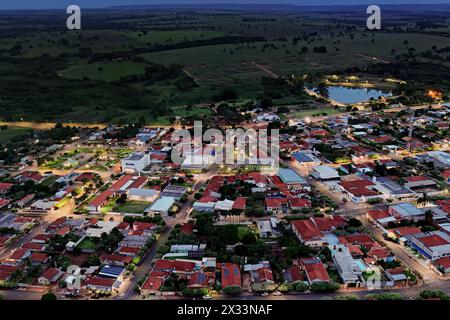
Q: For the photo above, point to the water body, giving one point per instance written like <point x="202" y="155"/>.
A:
<point x="355" y="95"/>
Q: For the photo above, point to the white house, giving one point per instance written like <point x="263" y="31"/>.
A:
<point x="136" y="162"/>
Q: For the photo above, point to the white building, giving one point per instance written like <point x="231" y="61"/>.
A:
<point x="406" y="211"/>
<point x="432" y="245"/>
<point x="162" y="206"/>
<point x="148" y="195"/>
<point x="136" y="162"/>
<point x="348" y="269"/>
<point x="267" y="228"/>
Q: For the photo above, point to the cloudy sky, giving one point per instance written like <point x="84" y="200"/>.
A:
<point x="44" y="4"/>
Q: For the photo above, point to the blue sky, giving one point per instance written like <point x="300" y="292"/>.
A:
<point x="44" y="4"/>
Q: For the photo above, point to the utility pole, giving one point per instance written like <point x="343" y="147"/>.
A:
<point x="411" y="129"/>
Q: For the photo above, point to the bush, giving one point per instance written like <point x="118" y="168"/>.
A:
<point x="384" y="296"/>
<point x="232" y="290"/>
<point x="300" y="287"/>
<point x="437" y="294"/>
<point x="286" y="287"/>
<point x="194" y="292"/>
<point x="324" y="287"/>
<point x="48" y="297"/>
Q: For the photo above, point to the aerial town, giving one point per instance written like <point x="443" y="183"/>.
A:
<point x="359" y="203"/>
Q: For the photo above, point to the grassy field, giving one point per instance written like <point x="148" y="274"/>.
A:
<point x="12" y="134"/>
<point x="132" y="207"/>
<point x="48" y="74"/>
<point x="315" y="112"/>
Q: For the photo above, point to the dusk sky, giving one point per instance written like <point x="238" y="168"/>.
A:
<point x="44" y="4"/>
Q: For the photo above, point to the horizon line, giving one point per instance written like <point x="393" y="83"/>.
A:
<point x="231" y="4"/>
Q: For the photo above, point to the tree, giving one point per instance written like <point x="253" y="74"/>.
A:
<point x="63" y="262"/>
<point x="48" y="297"/>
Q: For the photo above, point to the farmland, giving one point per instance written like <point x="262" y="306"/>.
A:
<point x="140" y="65"/>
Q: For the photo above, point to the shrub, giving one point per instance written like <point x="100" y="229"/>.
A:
<point x="324" y="287"/>
<point x="194" y="292"/>
<point x="300" y="286"/>
<point x="384" y="296"/>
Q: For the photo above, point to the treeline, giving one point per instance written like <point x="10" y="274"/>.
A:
<point x="99" y="56"/>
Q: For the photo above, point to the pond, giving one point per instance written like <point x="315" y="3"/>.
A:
<point x="355" y="95"/>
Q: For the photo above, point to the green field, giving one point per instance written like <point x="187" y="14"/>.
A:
<point x="9" y="134"/>
<point x="109" y="71"/>
<point x="315" y="112"/>
<point x="86" y="244"/>
<point x="167" y="59"/>
<point x="132" y="207"/>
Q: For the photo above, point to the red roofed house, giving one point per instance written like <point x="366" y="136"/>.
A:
<point x="315" y="270"/>
<point x="175" y="266"/>
<point x="432" y="245"/>
<point x="17" y="257"/>
<point x="5" y="187"/>
<point x="152" y="285"/>
<point x="239" y="204"/>
<point x="38" y="258"/>
<point x="116" y="259"/>
<point x="50" y="276"/>
<point x="231" y="275"/>
<point x="299" y="203"/>
<point x="99" y="201"/>
<point x="443" y="265"/>
<point x="200" y="279"/>
<point x="276" y="205"/>
<point x="99" y="283"/>
<point x="308" y="233"/>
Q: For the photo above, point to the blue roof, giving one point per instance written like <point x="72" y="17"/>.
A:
<point x="111" y="271"/>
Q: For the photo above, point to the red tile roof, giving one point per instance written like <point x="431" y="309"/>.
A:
<point x="358" y="188"/>
<point x="102" y="198"/>
<point x="175" y="265"/>
<point x="99" y="281"/>
<point x="299" y="202"/>
<point x="404" y="231"/>
<point x="138" y="183"/>
<point x="153" y="283"/>
<point x="240" y="203"/>
<point x="378" y="214"/>
<point x="39" y="257"/>
<point x="444" y="262"/>
<point x="433" y="241"/>
<point x="51" y="273"/>
<point x="187" y="228"/>
<point x="275" y="202"/>
<point x="231" y="275"/>
<point x="307" y="229"/>
<point x="121" y="182"/>
<point x="315" y="270"/>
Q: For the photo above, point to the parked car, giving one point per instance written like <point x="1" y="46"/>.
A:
<point x="207" y="297"/>
<point x="264" y="294"/>
<point x="277" y="293"/>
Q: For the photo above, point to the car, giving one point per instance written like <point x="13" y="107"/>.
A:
<point x="207" y="297"/>
<point x="277" y="293"/>
<point x="264" y="294"/>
